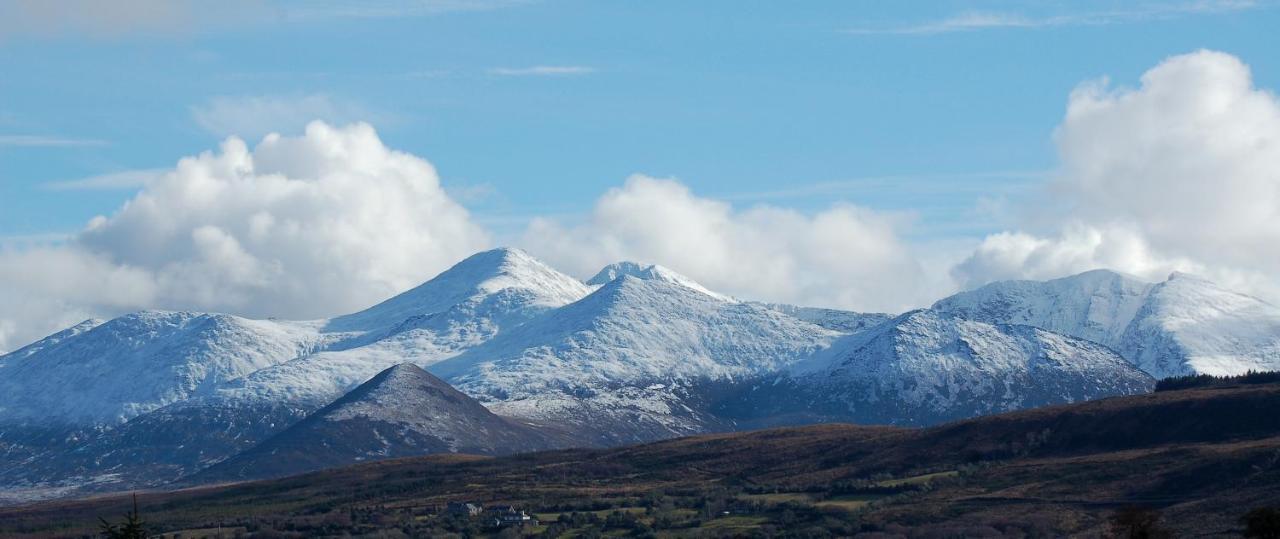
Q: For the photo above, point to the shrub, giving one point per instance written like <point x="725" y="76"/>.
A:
<point x="1262" y="522"/>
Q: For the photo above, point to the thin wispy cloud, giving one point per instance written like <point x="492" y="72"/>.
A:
<point x="976" y="21"/>
<point x="36" y="141"/>
<point x="541" y="71"/>
<point x="253" y="116"/>
<point x="377" y="9"/>
<point x="126" y="179"/>
<point x="177" y="18"/>
<point x="15" y="242"/>
<point x="119" y="18"/>
<point x="426" y="74"/>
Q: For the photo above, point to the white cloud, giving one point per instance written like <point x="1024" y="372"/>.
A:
<point x="48" y="288"/>
<point x="35" y="141"/>
<point x="297" y="227"/>
<point x="125" y="179"/>
<point x="845" y="256"/>
<point x="254" y="116"/>
<point x="975" y="21"/>
<point x="1077" y="248"/>
<point x="1179" y="173"/>
<point x="541" y="71"/>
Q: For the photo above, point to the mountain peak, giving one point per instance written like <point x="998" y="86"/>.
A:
<point x="392" y="390"/>
<point x="651" y="272"/>
<point x="498" y="259"/>
<point x="615" y="270"/>
<point x="403" y="411"/>
<point x="1184" y="276"/>
<point x="482" y="274"/>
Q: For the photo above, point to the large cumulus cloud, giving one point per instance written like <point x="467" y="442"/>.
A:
<point x="298" y="227"/>
<point x="1182" y="172"/>
<point x="845" y="256"/>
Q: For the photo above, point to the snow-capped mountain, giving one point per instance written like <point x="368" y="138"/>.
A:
<point x="465" y="306"/>
<point x="632" y="361"/>
<point x="275" y="372"/>
<point x="403" y="411"/>
<point x="524" y="283"/>
<point x="105" y="373"/>
<point x="1183" y="325"/>
<point x="926" y="366"/>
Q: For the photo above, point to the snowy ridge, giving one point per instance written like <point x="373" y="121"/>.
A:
<point x="465" y="306"/>
<point x="1181" y="326"/>
<point x="926" y="366"/>
<point x="184" y="430"/>
<point x="630" y="349"/>
<point x="140" y="362"/>
<point x="1210" y="330"/>
<point x="478" y="276"/>
<point x="105" y="373"/>
<point x="833" y="319"/>
<point x="652" y="272"/>
<point x="53" y="340"/>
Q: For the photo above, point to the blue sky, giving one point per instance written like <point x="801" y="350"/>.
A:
<point x="871" y="156"/>
<point x="923" y="106"/>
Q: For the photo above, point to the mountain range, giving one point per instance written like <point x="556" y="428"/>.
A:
<point x="520" y="357"/>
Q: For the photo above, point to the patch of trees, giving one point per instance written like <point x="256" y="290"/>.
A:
<point x="1193" y="381"/>
<point x="131" y="528"/>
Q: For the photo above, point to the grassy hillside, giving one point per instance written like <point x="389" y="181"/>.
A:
<point x="1201" y="457"/>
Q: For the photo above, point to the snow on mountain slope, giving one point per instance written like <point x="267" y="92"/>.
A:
<point x="1181" y="326"/>
<point x="52" y="340"/>
<point x="478" y="276"/>
<point x="652" y="272"/>
<point x="833" y="319"/>
<point x="1190" y="325"/>
<point x="631" y="359"/>
<point x="467" y="305"/>
<point x="926" y="367"/>
<point x="116" y="370"/>
<point x="198" y="388"/>
<point x="403" y="411"/>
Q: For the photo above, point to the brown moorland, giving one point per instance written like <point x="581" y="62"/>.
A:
<point x="1200" y="457"/>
